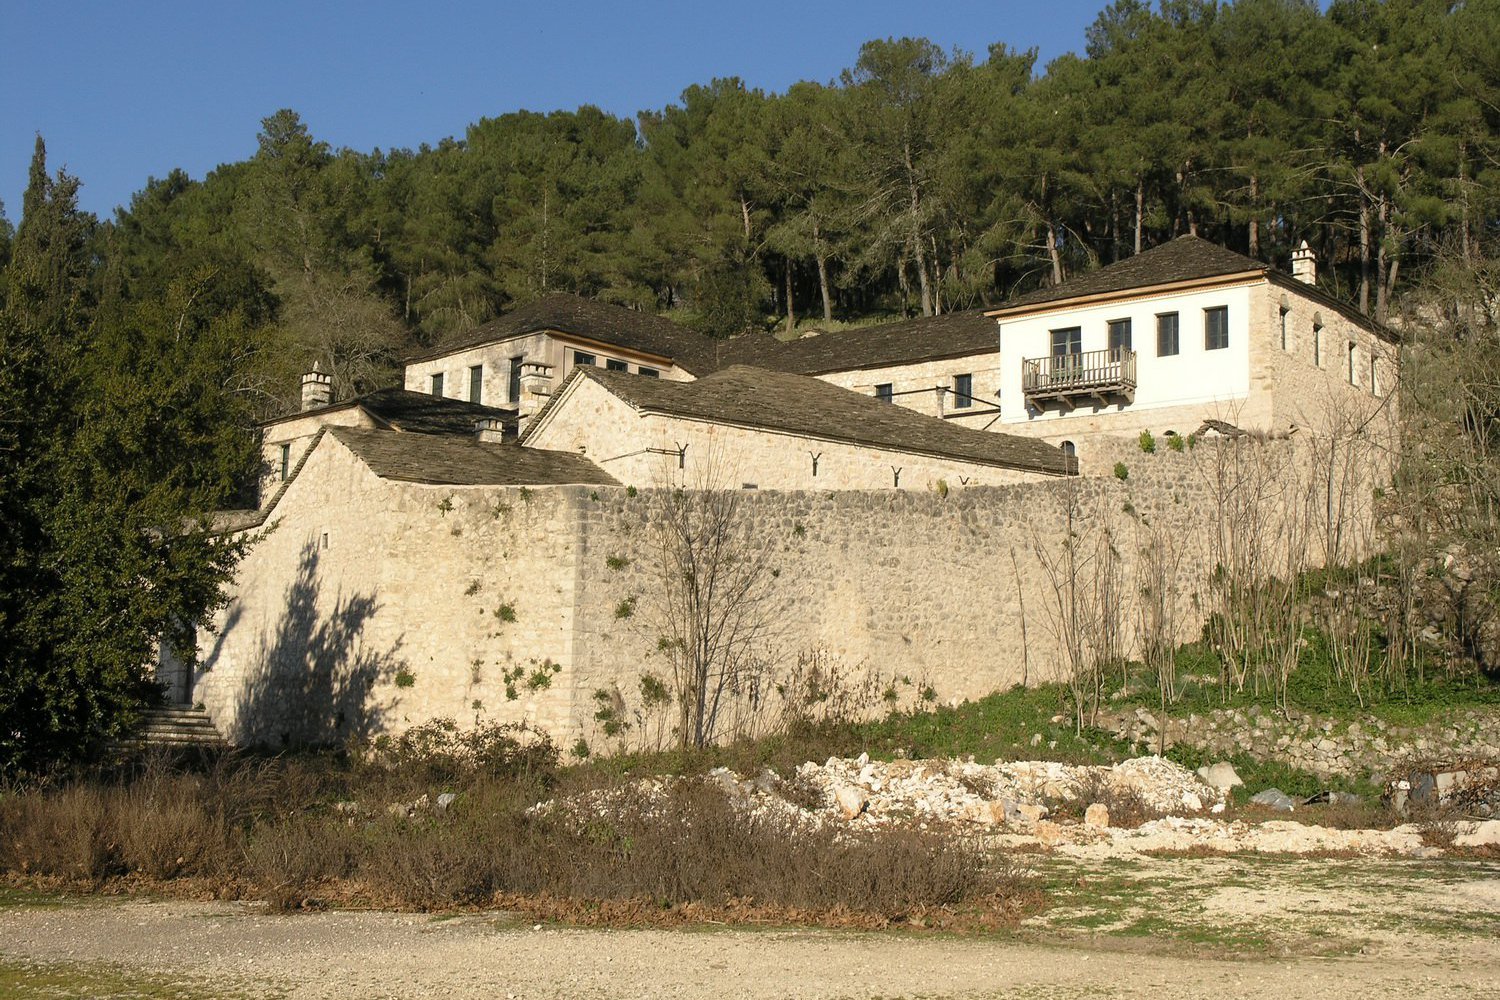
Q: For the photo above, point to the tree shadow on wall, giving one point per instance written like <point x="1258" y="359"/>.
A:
<point x="312" y="680"/>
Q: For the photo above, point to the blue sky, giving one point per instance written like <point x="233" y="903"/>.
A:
<point x="124" y="91"/>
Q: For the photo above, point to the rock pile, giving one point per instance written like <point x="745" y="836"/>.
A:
<point x="1016" y="793"/>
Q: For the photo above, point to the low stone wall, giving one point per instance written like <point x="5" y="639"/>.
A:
<point x="1363" y="748"/>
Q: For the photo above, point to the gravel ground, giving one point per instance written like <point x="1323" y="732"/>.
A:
<point x="1352" y="929"/>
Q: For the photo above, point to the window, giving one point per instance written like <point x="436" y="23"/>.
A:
<point x="648" y="372"/>
<point x="884" y="393"/>
<point x="476" y="383"/>
<point x="1166" y="334"/>
<point x="286" y="461"/>
<point x="1067" y="341"/>
<point x="1119" y="336"/>
<point x="580" y="359"/>
<point x="1068" y="449"/>
<point x="1317" y="342"/>
<point x="616" y="366"/>
<point x="514" y="389"/>
<point x="1283" y="311"/>
<point x="437" y="384"/>
<point x="1353" y="349"/>
<point x="1374" y="387"/>
<point x="963" y="391"/>
<point x="1216" y="328"/>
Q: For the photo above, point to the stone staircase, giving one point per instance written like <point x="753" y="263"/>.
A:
<point x="177" y="725"/>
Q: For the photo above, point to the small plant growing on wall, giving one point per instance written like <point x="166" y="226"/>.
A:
<point x="631" y="491"/>
<point x="798" y="530"/>
<point x="512" y="678"/>
<point x="625" y="608"/>
<point x="940" y="487"/>
<point x="541" y="678"/>
<point x="1148" y="443"/>
<point x="581" y="749"/>
<point x="445" y="505"/>
<point x="472" y="588"/>
<point x="524" y="494"/>
<point x="617" y="563"/>
<point x="506" y="613"/>
<point x="499" y="510"/>
<point x="1175" y="442"/>
<point x="1122" y="473"/>
<point x="405" y="678"/>
<point x="611" y="711"/>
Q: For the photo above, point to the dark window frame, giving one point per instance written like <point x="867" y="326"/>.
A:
<point x="1115" y="328"/>
<point x="1168" y="324"/>
<point x="579" y="362"/>
<point x="885" y="392"/>
<point x="648" y="372"/>
<point x="513" y="387"/>
<point x="1072" y="341"/>
<point x="963" y="391"/>
<point x="476" y="383"/>
<point x="286" y="461"/>
<point x="616" y="365"/>
<point x="435" y="384"/>
<point x="1210" y="315"/>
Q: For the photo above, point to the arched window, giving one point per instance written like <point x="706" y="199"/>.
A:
<point x="1284" y="311"/>
<point x="1068" y="449"/>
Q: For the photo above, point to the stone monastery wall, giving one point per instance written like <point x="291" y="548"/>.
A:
<point x="410" y="602"/>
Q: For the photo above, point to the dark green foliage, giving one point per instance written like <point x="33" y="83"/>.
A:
<point x="119" y="437"/>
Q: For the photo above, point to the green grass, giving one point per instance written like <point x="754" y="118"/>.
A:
<point x="1314" y="687"/>
<point x="57" y="981"/>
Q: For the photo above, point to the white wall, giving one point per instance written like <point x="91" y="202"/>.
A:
<point x="1192" y="376"/>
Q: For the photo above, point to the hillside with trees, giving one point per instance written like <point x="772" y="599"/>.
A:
<point x="137" y="350"/>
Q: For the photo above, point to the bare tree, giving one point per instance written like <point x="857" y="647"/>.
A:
<point x="712" y="612"/>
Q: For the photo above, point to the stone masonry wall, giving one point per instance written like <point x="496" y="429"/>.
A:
<point x="951" y="591"/>
<point x="369" y="605"/>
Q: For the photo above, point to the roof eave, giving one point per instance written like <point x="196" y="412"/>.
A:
<point x="1138" y="292"/>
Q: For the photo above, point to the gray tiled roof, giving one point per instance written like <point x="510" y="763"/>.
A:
<point x="929" y="338"/>
<point x="452" y="461"/>
<point x="611" y="324"/>
<point x="799" y="404"/>
<point x="1187" y="258"/>
<point x="417" y="412"/>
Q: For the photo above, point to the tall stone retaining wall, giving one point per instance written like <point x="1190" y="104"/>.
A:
<point x="372" y="605"/>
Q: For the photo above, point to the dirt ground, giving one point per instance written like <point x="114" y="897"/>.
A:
<point x="1159" y="927"/>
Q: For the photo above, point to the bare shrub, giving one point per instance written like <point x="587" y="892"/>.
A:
<point x="290" y="859"/>
<point x="68" y="832"/>
<point x="1128" y="807"/>
<point x="1085" y="583"/>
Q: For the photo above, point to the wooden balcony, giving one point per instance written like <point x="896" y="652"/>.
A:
<point x="1102" y="376"/>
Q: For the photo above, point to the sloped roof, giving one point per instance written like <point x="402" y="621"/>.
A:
<point x="911" y="341"/>
<point x="591" y="319"/>
<point x="453" y="461"/>
<point x="799" y="404"/>
<point x="1187" y="258"/>
<point x="416" y="412"/>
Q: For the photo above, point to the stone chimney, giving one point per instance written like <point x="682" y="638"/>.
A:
<point x="1305" y="264"/>
<point x="317" y="389"/>
<point x="489" y="430"/>
<point x="536" y="389"/>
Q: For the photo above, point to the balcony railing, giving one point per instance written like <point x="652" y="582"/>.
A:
<point x="1065" y="378"/>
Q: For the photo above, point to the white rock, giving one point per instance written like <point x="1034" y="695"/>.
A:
<point x="1096" y="815"/>
<point x="1221" y="776"/>
<point x="851" y="801"/>
<point x="1486" y="834"/>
